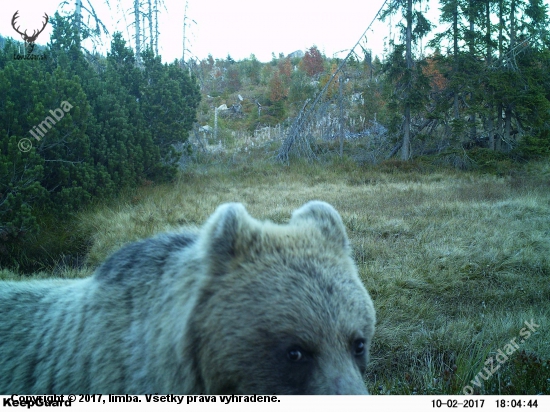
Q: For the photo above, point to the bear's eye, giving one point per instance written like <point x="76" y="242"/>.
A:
<point x="295" y="354"/>
<point x="359" y="347"/>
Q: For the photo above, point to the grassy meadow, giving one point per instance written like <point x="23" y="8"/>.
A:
<point x="456" y="262"/>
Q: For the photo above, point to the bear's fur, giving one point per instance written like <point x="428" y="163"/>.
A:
<point x="238" y="307"/>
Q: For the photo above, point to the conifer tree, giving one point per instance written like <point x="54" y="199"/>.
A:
<point x="411" y="85"/>
<point x="170" y="97"/>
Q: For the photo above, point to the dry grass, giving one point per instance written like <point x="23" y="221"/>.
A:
<point x="455" y="262"/>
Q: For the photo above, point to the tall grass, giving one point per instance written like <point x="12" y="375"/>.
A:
<point x="455" y="262"/>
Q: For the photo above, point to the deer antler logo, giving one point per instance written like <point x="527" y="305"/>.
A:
<point x="29" y="40"/>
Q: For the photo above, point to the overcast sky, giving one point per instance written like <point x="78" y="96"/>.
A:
<point x="236" y="27"/>
<point x="242" y="27"/>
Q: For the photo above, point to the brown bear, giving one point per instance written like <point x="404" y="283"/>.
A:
<point x="239" y="306"/>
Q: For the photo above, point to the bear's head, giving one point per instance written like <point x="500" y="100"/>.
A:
<point x="282" y="309"/>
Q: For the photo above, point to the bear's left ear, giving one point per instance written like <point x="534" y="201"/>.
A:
<point x="325" y="218"/>
<point x="223" y="235"/>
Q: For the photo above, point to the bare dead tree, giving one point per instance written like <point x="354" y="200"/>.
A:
<point x="185" y="34"/>
<point x="156" y="36"/>
<point x="81" y="12"/>
<point x="150" y="19"/>
<point x="137" y="14"/>
<point x="145" y="26"/>
<point x="184" y="26"/>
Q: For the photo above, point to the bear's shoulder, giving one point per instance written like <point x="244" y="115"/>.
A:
<point x="139" y="261"/>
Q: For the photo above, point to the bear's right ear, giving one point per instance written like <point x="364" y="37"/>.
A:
<point x="223" y="236"/>
<point x="326" y="219"/>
